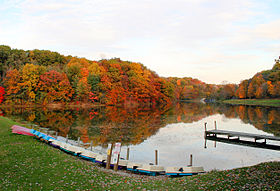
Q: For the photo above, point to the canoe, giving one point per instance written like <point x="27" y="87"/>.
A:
<point x="152" y="170"/>
<point x="183" y="171"/>
<point x="88" y="155"/>
<point x="132" y="166"/>
<point x="71" y="149"/>
<point x="101" y="159"/>
<point x="122" y="164"/>
<point x="43" y="137"/>
<point x="37" y="134"/>
<point x="56" y="143"/>
<point x="21" y="130"/>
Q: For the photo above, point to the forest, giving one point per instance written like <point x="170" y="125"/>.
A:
<point x="46" y="77"/>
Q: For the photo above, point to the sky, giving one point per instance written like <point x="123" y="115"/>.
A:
<point x="216" y="41"/>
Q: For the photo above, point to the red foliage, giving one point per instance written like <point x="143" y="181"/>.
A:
<point x="2" y="92"/>
<point x="92" y="97"/>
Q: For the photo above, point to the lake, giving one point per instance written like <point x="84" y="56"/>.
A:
<point x="176" y="132"/>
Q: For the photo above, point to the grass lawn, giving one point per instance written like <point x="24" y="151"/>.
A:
<point x="28" y="164"/>
<point x="258" y="102"/>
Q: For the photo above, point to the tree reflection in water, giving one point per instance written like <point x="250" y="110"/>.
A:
<point x="132" y="126"/>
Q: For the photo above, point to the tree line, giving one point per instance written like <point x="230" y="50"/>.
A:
<point x="44" y="77"/>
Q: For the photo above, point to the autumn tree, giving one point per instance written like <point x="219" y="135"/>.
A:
<point x="30" y="79"/>
<point x="54" y="86"/>
<point x="241" y="91"/>
<point x="13" y="89"/>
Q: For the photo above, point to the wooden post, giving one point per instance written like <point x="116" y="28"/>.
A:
<point x="117" y="164"/>
<point x="156" y="157"/>
<point x="205" y="143"/>
<point x="56" y="133"/>
<point x="67" y="138"/>
<point x="127" y="153"/>
<point x="191" y="158"/>
<point x="215" y="125"/>
<point x="78" y="141"/>
<point x="91" y="145"/>
<point x="109" y="157"/>
<point x="205" y="129"/>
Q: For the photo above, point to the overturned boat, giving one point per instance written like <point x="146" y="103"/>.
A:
<point x="183" y="171"/>
<point x="152" y="170"/>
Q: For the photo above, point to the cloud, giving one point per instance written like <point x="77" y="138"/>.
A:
<point x="198" y="38"/>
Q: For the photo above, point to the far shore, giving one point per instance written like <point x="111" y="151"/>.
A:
<point x="255" y="102"/>
<point x="73" y="105"/>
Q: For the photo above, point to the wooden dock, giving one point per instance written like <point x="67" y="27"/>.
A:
<point x="238" y="135"/>
<point x="242" y="143"/>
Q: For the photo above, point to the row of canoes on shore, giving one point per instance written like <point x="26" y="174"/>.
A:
<point x="87" y="154"/>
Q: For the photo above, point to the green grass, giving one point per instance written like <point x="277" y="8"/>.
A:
<point x="28" y="164"/>
<point x="257" y="102"/>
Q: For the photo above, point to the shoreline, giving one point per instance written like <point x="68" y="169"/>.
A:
<point x="27" y="163"/>
<point x="253" y="102"/>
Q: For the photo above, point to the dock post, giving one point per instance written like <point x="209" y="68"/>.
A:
<point x="127" y="153"/>
<point x="156" y="157"/>
<point x="67" y="138"/>
<point x="215" y="125"/>
<point x="109" y="157"/>
<point x="191" y="160"/>
<point x="205" y="129"/>
<point x="205" y="143"/>
<point x="78" y="141"/>
<point x="91" y="145"/>
<point x="56" y="133"/>
<point x="117" y="164"/>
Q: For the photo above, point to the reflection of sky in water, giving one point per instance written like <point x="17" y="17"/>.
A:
<point x="175" y="142"/>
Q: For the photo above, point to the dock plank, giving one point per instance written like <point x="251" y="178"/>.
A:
<point x="241" y="134"/>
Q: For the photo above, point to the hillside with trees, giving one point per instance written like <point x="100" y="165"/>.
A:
<point x="265" y="84"/>
<point x="45" y="77"/>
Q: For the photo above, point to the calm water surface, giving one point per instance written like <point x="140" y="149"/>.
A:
<point x="176" y="132"/>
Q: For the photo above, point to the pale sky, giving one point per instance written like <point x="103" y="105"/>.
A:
<point x="212" y="40"/>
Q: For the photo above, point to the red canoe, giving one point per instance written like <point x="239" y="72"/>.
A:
<point x="21" y="130"/>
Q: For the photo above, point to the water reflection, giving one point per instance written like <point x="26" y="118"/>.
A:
<point x="176" y="131"/>
<point x="133" y="126"/>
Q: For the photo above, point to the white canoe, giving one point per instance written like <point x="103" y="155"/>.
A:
<point x="183" y="171"/>
<point x="57" y="143"/>
<point x="88" y="154"/>
<point x="100" y="158"/>
<point x="151" y="168"/>
<point x="123" y="162"/>
<point x="133" y="165"/>
<point x="72" y="149"/>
